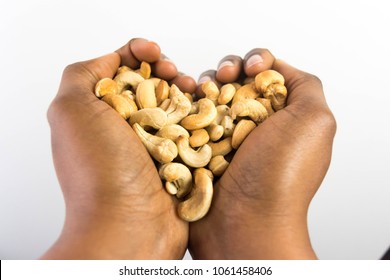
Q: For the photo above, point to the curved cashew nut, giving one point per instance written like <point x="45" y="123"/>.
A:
<point x="172" y="131"/>
<point x="215" y="131"/>
<point x="249" y="108"/>
<point x="179" y="106"/>
<point x="271" y="84"/>
<point x="127" y="79"/>
<point x="200" y="197"/>
<point x="146" y="95"/>
<point x="119" y="103"/>
<point x="242" y="130"/>
<point x="178" y="178"/>
<point x="162" y="150"/>
<point x="218" y="165"/>
<point x="199" y="138"/>
<point x="245" y="92"/>
<point x="207" y="113"/>
<point x="154" y="117"/>
<point x="211" y="91"/>
<point x="191" y="157"/>
<point x="228" y="126"/>
<point x="222" y="147"/>
<point x="227" y="93"/>
<point x="105" y="86"/>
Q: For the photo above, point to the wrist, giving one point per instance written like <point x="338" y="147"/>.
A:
<point x="253" y="237"/>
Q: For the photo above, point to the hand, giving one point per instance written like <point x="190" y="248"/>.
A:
<point x="260" y="204"/>
<point x="116" y="206"/>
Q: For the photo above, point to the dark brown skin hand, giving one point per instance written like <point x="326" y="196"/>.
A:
<point x="116" y="207"/>
<point x="260" y="204"/>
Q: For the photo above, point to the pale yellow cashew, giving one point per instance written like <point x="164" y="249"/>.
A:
<point x="211" y="91"/>
<point x="172" y="131"/>
<point x="149" y="117"/>
<point x="105" y="86"/>
<point x="178" y="178"/>
<point x="241" y="131"/>
<point x="207" y="113"/>
<point x="119" y="104"/>
<point x="179" y="106"/>
<point x="199" y="158"/>
<point x="128" y="79"/>
<point x="162" y="150"/>
<point x="145" y="96"/>
<point x="222" y="147"/>
<point x="245" y="92"/>
<point x="271" y="84"/>
<point x="249" y="108"/>
<point x="199" y="138"/>
<point x="218" y="165"/>
<point x="227" y="93"/>
<point x="199" y="200"/>
<point x="162" y="91"/>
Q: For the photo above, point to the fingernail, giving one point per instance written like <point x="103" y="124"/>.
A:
<point x="139" y="43"/>
<point x="225" y="63"/>
<point x="253" y="60"/>
<point x="204" y="79"/>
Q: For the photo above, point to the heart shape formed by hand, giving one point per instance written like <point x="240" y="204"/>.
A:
<point x="183" y="135"/>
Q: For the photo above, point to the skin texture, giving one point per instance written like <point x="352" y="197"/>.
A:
<point x="116" y="206"/>
<point x="272" y="178"/>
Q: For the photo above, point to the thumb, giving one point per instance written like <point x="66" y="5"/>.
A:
<point x="82" y="76"/>
<point x="302" y="87"/>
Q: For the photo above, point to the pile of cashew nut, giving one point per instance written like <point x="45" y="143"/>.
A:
<point x="185" y="136"/>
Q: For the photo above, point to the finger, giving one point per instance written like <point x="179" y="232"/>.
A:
<point x="204" y="77"/>
<point x="164" y="68"/>
<point x="304" y="88"/>
<point x="229" y="69"/>
<point x="84" y="75"/>
<point x="138" y="50"/>
<point x="257" y="60"/>
<point x="185" y="83"/>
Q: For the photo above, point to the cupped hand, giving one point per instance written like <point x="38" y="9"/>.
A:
<point x="116" y="206"/>
<point x="260" y="204"/>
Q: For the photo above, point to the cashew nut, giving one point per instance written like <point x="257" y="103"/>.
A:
<point x="228" y="126"/>
<point x="271" y="84"/>
<point x="161" y="149"/>
<point x="199" y="138"/>
<point x="207" y="113"/>
<point x="178" y="178"/>
<point x="149" y="117"/>
<point x="162" y="91"/>
<point x="227" y="93"/>
<point x="105" y="86"/>
<point x="215" y="131"/>
<point x="145" y="70"/>
<point x="193" y="158"/>
<point x="119" y="103"/>
<point x="172" y="131"/>
<point x="179" y="106"/>
<point x="199" y="200"/>
<point x="146" y="95"/>
<point x="249" y="108"/>
<point x="245" y="92"/>
<point x="127" y="79"/>
<point x="241" y="131"/>
<point x="211" y="91"/>
<point x="218" y="165"/>
<point x="222" y="147"/>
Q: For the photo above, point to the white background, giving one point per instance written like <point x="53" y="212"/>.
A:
<point x="345" y="43"/>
